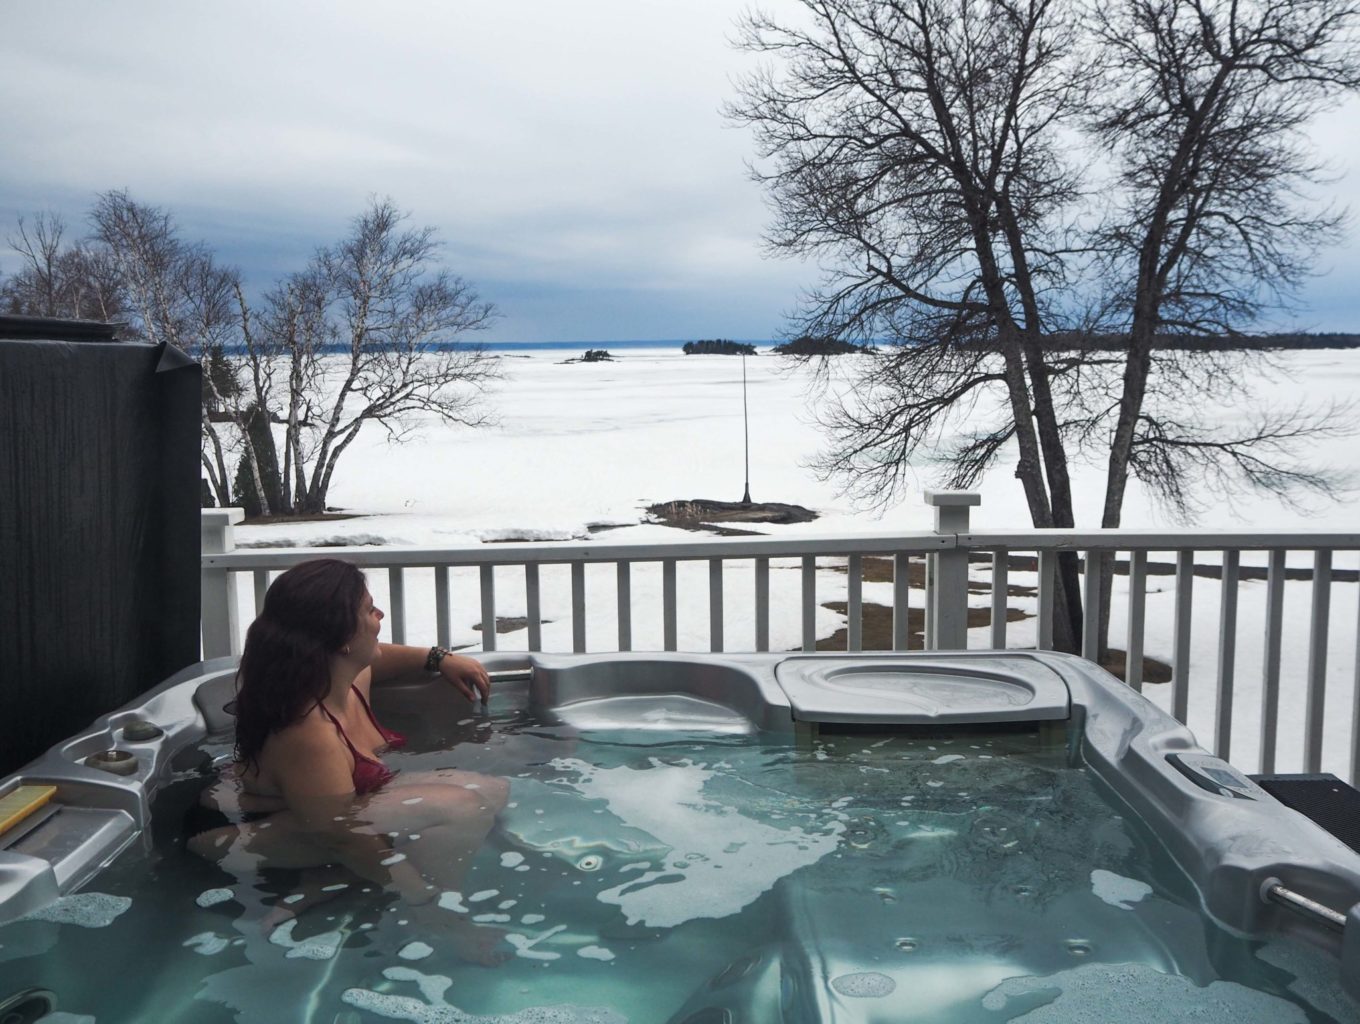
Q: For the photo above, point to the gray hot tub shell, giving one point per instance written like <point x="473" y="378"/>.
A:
<point x="1227" y="835"/>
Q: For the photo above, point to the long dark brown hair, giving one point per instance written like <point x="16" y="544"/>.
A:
<point x="310" y="612"/>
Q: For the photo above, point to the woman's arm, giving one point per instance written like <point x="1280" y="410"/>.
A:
<point x="466" y="674"/>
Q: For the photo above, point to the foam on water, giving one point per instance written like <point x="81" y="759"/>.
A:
<point x="453" y="901"/>
<point x="207" y="943"/>
<point x="511" y="859"/>
<point x="1136" y="992"/>
<point x="1314" y="977"/>
<point x="212" y="897"/>
<point x="1118" y="891"/>
<point x="415" y="951"/>
<point x="316" y="947"/>
<point x="867" y="985"/>
<point x="436" y="1011"/>
<point x="721" y="860"/>
<point x="84" y="909"/>
<point x="595" y="953"/>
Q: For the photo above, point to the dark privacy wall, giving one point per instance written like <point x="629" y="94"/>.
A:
<point x="99" y="531"/>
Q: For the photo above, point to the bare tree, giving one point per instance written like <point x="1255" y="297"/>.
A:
<point x="369" y="332"/>
<point x="913" y="143"/>
<point x="1203" y="104"/>
<point x="177" y="295"/>
<point x="60" y="279"/>
<point x="929" y="151"/>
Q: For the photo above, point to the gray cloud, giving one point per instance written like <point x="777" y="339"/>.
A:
<point x="569" y="153"/>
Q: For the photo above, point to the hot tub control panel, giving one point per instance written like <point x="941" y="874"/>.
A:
<point x="1216" y="776"/>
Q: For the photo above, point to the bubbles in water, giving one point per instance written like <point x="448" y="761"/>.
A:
<point x="1137" y="992"/>
<point x="868" y="985"/>
<point x="84" y="909"/>
<point x="906" y="945"/>
<point x="1078" y="947"/>
<point x="590" y="862"/>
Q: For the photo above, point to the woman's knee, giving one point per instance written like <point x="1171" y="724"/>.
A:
<point x="214" y="844"/>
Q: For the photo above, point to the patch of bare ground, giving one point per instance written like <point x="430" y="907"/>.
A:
<point x="316" y="517"/>
<point x="1154" y="671"/>
<point x="711" y="516"/>
<point x="876" y="631"/>
<point x="876" y="635"/>
<point x="1028" y="563"/>
<point x="874" y="569"/>
<point x="510" y="623"/>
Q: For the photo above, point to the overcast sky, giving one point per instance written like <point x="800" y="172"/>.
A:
<point x="572" y="155"/>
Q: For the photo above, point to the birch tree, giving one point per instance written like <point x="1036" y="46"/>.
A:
<point x="372" y="331"/>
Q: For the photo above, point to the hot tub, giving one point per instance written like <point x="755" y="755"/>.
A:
<point x="977" y="836"/>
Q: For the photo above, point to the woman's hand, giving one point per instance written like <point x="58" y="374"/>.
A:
<point x="467" y="674"/>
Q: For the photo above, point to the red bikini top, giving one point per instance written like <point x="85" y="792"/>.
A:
<point x="369" y="772"/>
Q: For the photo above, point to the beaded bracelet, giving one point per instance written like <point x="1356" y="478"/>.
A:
<point x="433" y="659"/>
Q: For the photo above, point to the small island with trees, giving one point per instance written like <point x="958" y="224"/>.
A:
<point x="718" y="347"/>
<point x="809" y="346"/>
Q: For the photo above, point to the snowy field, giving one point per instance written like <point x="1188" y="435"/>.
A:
<point x="589" y="445"/>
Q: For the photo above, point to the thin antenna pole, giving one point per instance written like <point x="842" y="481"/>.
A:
<point x="746" y="432"/>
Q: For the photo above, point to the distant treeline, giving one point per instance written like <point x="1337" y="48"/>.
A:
<point x="718" y="347"/>
<point x="1077" y="341"/>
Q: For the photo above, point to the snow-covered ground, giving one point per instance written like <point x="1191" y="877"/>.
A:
<point x="589" y="444"/>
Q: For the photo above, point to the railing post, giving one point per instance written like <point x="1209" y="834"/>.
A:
<point x="217" y="588"/>
<point x="947" y="607"/>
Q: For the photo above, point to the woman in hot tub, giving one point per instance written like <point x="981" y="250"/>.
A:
<point x="308" y="779"/>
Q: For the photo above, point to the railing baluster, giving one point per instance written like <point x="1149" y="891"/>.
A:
<point x="1227" y="654"/>
<point x="901" y="635"/>
<point x="715" y="604"/>
<point x="1355" y="703"/>
<point x="1090" y="606"/>
<point x="1180" y="663"/>
<point x="532" y="606"/>
<point x="396" y="597"/>
<point x="1270" y="683"/>
<point x="762" y="571"/>
<point x="1047" y="561"/>
<point x="1001" y="567"/>
<point x="854" y="604"/>
<point x="669" y="639"/>
<point x="1315" y="706"/>
<point x="261" y="586"/>
<point x="625" y="597"/>
<point x="488" y="575"/>
<point x="1133" y="654"/>
<point x="442" y="617"/>
<point x="578" y="607"/>
<point x="928" y="638"/>
<point x="809" y="603"/>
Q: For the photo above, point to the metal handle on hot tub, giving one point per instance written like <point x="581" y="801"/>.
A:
<point x="1274" y="891"/>
<point x="510" y="675"/>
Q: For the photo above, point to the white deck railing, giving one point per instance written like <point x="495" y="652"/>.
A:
<point x="1327" y="693"/>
